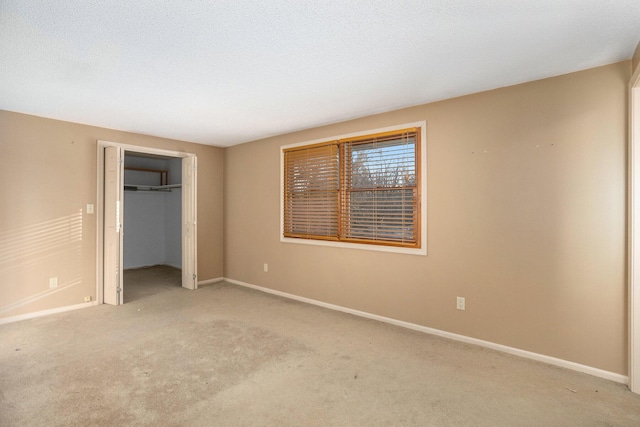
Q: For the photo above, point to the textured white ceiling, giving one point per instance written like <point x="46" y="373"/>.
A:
<point x="226" y="72"/>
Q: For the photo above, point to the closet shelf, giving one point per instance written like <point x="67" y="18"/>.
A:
<point x="163" y="175"/>
<point x="131" y="187"/>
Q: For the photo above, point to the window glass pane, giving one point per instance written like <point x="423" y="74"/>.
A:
<point x="380" y="195"/>
<point x="383" y="164"/>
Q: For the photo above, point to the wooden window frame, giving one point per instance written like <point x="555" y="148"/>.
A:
<point x="417" y="246"/>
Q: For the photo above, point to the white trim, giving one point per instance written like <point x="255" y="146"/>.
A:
<point x="146" y="150"/>
<point x="210" y="281"/>
<point x="634" y="232"/>
<point x="423" y="193"/>
<point x="612" y="376"/>
<point x="46" y="312"/>
<point x="346" y="245"/>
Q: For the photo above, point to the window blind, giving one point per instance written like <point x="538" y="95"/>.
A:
<point x="312" y="192"/>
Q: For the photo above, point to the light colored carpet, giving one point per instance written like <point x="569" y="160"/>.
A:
<point x="228" y="356"/>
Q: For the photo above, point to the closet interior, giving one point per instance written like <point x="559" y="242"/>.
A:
<point x="152" y="211"/>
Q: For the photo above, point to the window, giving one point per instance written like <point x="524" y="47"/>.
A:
<point x="360" y="189"/>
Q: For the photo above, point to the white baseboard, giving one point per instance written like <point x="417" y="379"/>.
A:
<point x="46" y="312"/>
<point x="612" y="376"/>
<point x="210" y="281"/>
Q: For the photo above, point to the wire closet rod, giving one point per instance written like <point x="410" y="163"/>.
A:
<point x="164" y="188"/>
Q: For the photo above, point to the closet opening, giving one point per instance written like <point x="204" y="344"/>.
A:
<point x="152" y="258"/>
<point x="146" y="222"/>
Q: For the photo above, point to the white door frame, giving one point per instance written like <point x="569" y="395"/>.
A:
<point x="100" y="204"/>
<point x="634" y="232"/>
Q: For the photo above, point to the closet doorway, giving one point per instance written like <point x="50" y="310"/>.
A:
<point x="146" y="215"/>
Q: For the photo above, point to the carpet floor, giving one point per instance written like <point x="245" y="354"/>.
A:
<point x="228" y="356"/>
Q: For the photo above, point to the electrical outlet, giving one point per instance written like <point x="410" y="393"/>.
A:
<point x="53" y="282"/>
<point x="89" y="208"/>
<point x="265" y="268"/>
<point x="460" y="303"/>
<point x="87" y="299"/>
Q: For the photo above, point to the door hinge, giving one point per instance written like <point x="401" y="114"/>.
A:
<point x="194" y="276"/>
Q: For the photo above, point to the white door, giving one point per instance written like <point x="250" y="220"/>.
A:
<point x="113" y="208"/>
<point x="189" y="243"/>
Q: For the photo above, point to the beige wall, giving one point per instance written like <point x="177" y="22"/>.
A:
<point x="526" y="220"/>
<point x="47" y="176"/>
